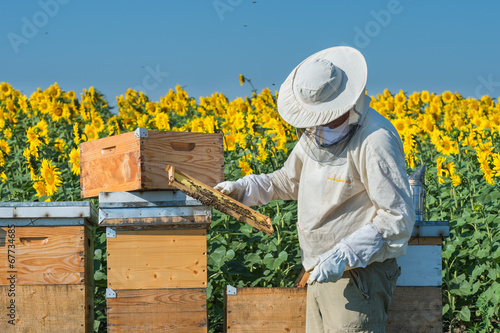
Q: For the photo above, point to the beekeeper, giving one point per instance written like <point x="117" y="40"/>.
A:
<point x="347" y="172"/>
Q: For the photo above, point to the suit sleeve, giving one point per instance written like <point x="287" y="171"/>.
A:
<point x="382" y="171"/>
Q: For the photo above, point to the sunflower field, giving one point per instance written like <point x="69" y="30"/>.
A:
<point x="456" y="138"/>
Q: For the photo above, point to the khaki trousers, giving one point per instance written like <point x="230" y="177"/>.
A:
<point x="358" y="302"/>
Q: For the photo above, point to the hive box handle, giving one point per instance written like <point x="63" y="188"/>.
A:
<point x="34" y="241"/>
<point x="182" y="146"/>
<point x="108" y="150"/>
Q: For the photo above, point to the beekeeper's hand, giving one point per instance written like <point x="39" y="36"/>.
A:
<point x="355" y="250"/>
<point x="234" y="190"/>
<point x="331" y="266"/>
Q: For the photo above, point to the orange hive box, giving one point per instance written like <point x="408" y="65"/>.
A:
<point x="137" y="160"/>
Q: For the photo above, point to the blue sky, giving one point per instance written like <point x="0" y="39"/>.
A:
<point x="153" y="45"/>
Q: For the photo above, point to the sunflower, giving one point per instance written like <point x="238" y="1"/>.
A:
<point x="485" y="146"/>
<point x="43" y="128"/>
<point x="487" y="100"/>
<point x="44" y="106"/>
<point x="448" y="97"/>
<point x="400" y="97"/>
<point x="151" y="107"/>
<point x="4" y="147"/>
<point x="57" y="111"/>
<point x="496" y="164"/>
<point x="76" y="133"/>
<point x="415" y="99"/>
<point x="50" y="176"/>
<point x="5" y="88"/>
<point x="230" y="142"/>
<point x="74" y="160"/>
<point x="33" y="138"/>
<point x="456" y="180"/>
<point x="71" y="95"/>
<point x="90" y="132"/>
<point x="245" y="167"/>
<point x="40" y="189"/>
<point x="488" y="176"/>
<point x="162" y="121"/>
<point x="428" y="124"/>
<point x="441" y="172"/>
<point x="242" y="79"/>
<point x="425" y="97"/>
<point x="400" y="125"/>
<point x="98" y="124"/>
<point x="53" y="91"/>
<point x="451" y="168"/>
<point x="7" y="133"/>
<point x="59" y="145"/>
<point x="447" y="146"/>
<point x="197" y="126"/>
<point x="263" y="154"/>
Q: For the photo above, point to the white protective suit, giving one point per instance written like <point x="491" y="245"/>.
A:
<point x="366" y="184"/>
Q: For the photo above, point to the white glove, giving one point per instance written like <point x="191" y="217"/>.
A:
<point x="251" y="190"/>
<point x="356" y="250"/>
<point x="331" y="266"/>
<point x="234" y="190"/>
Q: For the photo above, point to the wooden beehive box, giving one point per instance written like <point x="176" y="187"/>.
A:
<point x="137" y="160"/>
<point x="416" y="305"/>
<point x="157" y="261"/>
<point x="46" y="266"/>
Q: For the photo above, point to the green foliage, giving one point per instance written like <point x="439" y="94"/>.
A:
<point x="241" y="257"/>
<point x="471" y="254"/>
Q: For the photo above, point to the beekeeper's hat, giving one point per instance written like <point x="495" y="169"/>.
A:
<point x="323" y="87"/>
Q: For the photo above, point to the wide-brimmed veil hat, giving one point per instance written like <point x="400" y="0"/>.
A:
<point x="323" y="87"/>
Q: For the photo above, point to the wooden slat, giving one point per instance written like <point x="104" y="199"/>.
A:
<point x="45" y="255"/>
<point x="219" y="201"/>
<point x="266" y="310"/>
<point x="199" y="154"/>
<point x="110" y="146"/>
<point x="415" y="310"/>
<point x="46" y="308"/>
<point x="159" y="310"/>
<point x="156" y="259"/>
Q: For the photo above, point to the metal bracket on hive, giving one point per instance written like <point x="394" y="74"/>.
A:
<point x="141" y="132"/>
<point x="110" y="293"/>
<point x="217" y="200"/>
<point x="230" y="290"/>
<point x="110" y="232"/>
